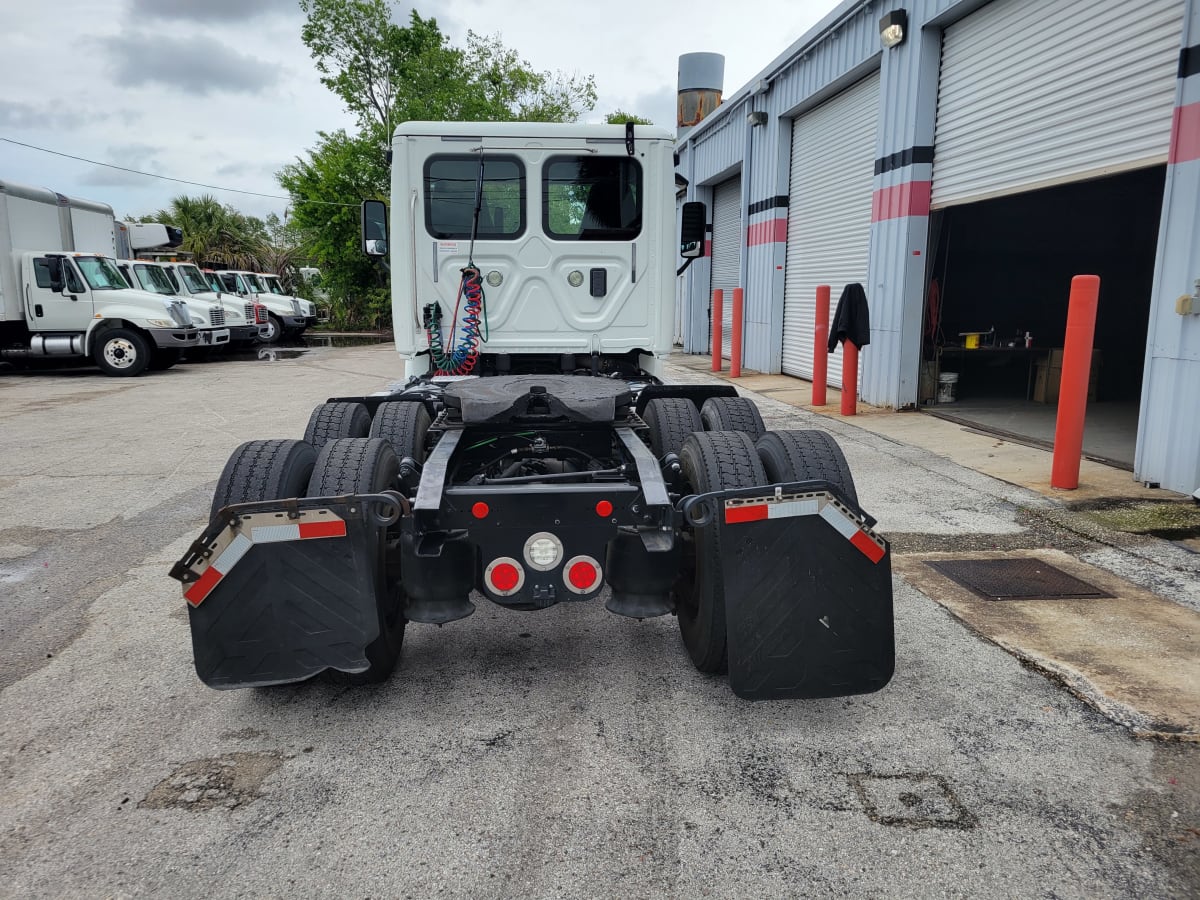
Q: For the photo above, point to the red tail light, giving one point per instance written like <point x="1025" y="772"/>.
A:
<point x="504" y="576"/>
<point x="582" y="575"/>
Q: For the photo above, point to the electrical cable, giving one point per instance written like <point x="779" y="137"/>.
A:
<point x="214" y="187"/>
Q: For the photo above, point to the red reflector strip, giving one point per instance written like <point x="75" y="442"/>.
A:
<point x="870" y="549"/>
<point x="331" y="528"/>
<point x="197" y="592"/>
<point x="755" y="513"/>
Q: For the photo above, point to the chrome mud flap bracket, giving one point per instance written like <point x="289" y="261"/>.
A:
<point x="808" y="591"/>
<point x="279" y="591"/>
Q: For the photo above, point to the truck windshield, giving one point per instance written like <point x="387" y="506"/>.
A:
<point x="272" y="283"/>
<point x="154" y="279"/>
<point x="193" y="279"/>
<point x="253" y="283"/>
<point x="588" y="198"/>
<point x="101" y="273"/>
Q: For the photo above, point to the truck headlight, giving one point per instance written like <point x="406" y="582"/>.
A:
<point x="196" y="320"/>
<point x="161" y="323"/>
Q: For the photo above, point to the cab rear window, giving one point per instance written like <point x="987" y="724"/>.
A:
<point x="592" y="198"/>
<point x="451" y="183"/>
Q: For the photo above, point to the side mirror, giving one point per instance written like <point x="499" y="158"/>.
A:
<point x="54" y="267"/>
<point x="692" y="222"/>
<point x="374" y="228"/>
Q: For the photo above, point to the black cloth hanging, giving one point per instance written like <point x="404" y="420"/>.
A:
<point x="852" y="321"/>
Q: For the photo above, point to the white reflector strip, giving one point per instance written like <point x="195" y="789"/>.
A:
<point x="839" y="520"/>
<point x="786" y="508"/>
<point x="272" y="534"/>
<point x="230" y="555"/>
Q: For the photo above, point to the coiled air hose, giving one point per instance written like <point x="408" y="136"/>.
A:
<point x="460" y="359"/>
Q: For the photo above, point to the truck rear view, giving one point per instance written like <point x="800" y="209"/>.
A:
<point x="533" y="456"/>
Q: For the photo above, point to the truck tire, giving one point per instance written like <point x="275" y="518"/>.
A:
<point x="264" y="470"/>
<point x="670" y="420"/>
<point x="803" y="455"/>
<point x="162" y="359"/>
<point x="331" y="421"/>
<point x="274" y="330"/>
<point x="732" y="414"/>
<point x="122" y="352"/>
<point x="404" y="424"/>
<point x="712" y="461"/>
<point x="366" y="466"/>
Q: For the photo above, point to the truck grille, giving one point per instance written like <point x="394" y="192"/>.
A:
<point x="249" y="312"/>
<point x="217" y="316"/>
<point x="296" y="307"/>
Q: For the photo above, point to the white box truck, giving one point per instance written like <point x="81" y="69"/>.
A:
<point x="61" y="294"/>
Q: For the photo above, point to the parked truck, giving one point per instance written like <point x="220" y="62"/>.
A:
<point x="247" y="319"/>
<point x="285" y="317"/>
<point x="62" y="296"/>
<point x="274" y="284"/>
<point x="208" y="315"/>
<point x="534" y="456"/>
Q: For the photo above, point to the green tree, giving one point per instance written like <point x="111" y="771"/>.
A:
<point x="215" y="233"/>
<point x="620" y="117"/>
<point x="327" y="187"/>
<point x="385" y="74"/>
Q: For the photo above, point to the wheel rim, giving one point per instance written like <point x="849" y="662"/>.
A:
<point x="120" y="353"/>
<point x="272" y="329"/>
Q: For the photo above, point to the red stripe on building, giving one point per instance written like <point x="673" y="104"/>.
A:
<point x="869" y="548"/>
<point x="1185" y="134"/>
<point x="771" y="231"/>
<point x="736" y="514"/>
<point x="908" y="199"/>
<point x="708" y="247"/>
<point x="197" y="592"/>
<point x="335" y="528"/>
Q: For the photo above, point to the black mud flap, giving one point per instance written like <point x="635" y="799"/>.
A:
<point x="808" y="591"/>
<point x="280" y="591"/>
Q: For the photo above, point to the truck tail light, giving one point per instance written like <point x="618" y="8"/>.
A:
<point x="582" y="575"/>
<point x="504" y="576"/>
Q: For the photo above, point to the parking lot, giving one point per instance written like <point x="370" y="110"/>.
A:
<point x="564" y="753"/>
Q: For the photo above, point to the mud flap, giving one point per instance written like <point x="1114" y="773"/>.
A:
<point x="280" y="591"/>
<point x="808" y="592"/>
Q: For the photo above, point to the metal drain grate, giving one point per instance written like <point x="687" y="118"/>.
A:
<point x="1016" y="579"/>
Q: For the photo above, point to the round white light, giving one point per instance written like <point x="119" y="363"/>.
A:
<point x="575" y="278"/>
<point x="494" y="278"/>
<point x="543" y="551"/>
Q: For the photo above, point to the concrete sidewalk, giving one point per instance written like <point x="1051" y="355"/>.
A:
<point x="1135" y="655"/>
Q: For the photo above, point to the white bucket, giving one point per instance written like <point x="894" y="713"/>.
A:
<point x="947" y="382"/>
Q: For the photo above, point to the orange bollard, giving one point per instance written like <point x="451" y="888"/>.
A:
<point x="718" y="310"/>
<point x="735" y="350"/>
<point x="849" y="377"/>
<point x="1073" y="390"/>
<point x="821" y="346"/>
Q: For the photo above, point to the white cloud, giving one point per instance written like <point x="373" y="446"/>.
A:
<point x="223" y="91"/>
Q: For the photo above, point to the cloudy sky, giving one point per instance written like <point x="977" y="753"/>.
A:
<point x="223" y="92"/>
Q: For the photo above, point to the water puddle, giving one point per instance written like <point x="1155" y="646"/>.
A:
<point x="295" y="349"/>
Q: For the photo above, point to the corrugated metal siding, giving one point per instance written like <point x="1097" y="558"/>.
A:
<point x="829" y="214"/>
<point x="727" y="251"/>
<point x="1035" y="93"/>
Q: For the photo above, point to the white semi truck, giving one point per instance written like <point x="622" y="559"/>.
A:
<point x="246" y="318"/>
<point x="534" y="456"/>
<point x="61" y="294"/>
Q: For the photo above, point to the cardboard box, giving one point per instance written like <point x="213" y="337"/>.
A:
<point x="1049" y="376"/>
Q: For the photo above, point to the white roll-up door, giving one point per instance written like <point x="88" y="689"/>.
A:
<point x="829" y="215"/>
<point x="726" y="252"/>
<point x="1033" y="94"/>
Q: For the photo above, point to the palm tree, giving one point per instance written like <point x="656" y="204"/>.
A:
<point x="214" y="233"/>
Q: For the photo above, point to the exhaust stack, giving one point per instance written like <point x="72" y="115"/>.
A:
<point x="701" y="80"/>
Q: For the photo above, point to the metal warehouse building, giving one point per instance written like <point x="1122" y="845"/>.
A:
<point x="963" y="175"/>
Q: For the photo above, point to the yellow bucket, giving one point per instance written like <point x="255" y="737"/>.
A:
<point x="972" y="341"/>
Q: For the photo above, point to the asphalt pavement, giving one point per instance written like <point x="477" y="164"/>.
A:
<point x="565" y="753"/>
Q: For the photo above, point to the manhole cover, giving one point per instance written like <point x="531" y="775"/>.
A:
<point x="1015" y="579"/>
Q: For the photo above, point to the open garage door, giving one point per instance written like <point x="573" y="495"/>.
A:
<point x="829" y="214"/>
<point x="726" y="253"/>
<point x="1052" y="133"/>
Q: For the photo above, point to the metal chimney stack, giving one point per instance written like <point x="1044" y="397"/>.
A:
<point x="701" y="79"/>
